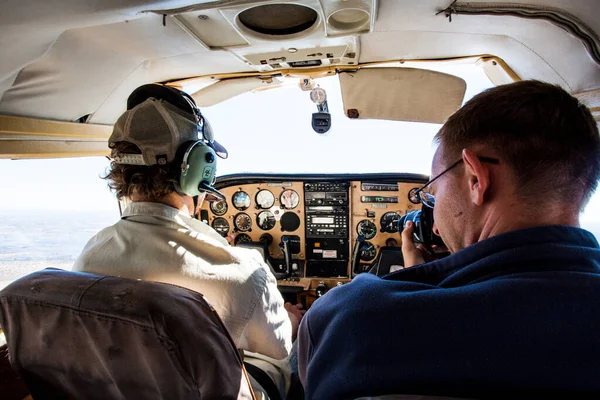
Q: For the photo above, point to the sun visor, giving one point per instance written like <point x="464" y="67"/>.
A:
<point x="229" y="88"/>
<point x="401" y="94"/>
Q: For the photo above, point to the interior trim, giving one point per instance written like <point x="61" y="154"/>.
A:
<point x="11" y="126"/>
<point x="246" y="178"/>
<point x="24" y="137"/>
<point x="320" y="72"/>
<point x="555" y="16"/>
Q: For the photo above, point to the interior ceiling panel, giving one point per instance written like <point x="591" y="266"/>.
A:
<point x="554" y="55"/>
<point x="90" y="63"/>
<point x="29" y="28"/>
<point x="63" y="59"/>
<point x="586" y="10"/>
<point x="160" y="70"/>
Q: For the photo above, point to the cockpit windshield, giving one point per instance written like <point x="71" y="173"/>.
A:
<point x="270" y="131"/>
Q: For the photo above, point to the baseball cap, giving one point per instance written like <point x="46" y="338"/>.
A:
<point x="158" y="120"/>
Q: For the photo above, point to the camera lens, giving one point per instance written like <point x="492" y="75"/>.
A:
<point x="415" y="217"/>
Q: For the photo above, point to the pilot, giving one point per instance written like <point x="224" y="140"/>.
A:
<point x="514" y="310"/>
<point x="163" y="157"/>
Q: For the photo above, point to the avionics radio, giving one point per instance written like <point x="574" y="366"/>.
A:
<point x="326" y="220"/>
<point x="326" y="209"/>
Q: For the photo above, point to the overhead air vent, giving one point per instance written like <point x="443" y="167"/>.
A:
<point x="278" y="19"/>
<point x="349" y="19"/>
<point x="345" y="17"/>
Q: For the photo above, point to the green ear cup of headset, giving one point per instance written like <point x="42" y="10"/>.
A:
<point x="199" y="167"/>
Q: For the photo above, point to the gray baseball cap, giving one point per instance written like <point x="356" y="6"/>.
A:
<point x="159" y="128"/>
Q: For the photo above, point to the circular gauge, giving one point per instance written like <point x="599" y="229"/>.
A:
<point x="242" y="238"/>
<point x="389" y="222"/>
<point x="289" y="222"/>
<point x="242" y="222"/>
<point x="367" y="229"/>
<point x="241" y="200"/>
<point x="218" y="207"/>
<point x="289" y="199"/>
<point x="265" y="220"/>
<point x="368" y="251"/>
<point x="318" y="95"/>
<point x="221" y="226"/>
<point x="413" y="196"/>
<point x="265" y="199"/>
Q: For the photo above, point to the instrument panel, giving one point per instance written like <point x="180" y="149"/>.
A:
<point x="313" y="231"/>
<point x="262" y="213"/>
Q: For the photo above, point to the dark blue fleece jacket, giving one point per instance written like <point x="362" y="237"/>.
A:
<point x="516" y="314"/>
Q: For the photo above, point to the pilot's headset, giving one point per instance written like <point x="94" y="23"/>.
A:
<point x="196" y="154"/>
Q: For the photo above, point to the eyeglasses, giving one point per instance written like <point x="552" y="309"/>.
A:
<point x="419" y="195"/>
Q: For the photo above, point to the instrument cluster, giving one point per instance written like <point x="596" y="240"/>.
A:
<point x="376" y="210"/>
<point x="259" y="213"/>
<point x="335" y="229"/>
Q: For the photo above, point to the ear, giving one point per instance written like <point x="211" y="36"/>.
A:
<point x="478" y="175"/>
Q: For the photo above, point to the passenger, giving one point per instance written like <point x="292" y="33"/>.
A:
<point x="157" y="238"/>
<point x="515" y="309"/>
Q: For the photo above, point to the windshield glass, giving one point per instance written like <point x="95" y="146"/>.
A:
<point x="270" y="131"/>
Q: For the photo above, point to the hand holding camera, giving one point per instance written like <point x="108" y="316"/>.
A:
<point x="420" y="244"/>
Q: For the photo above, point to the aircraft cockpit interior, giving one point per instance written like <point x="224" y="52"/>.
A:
<point x="316" y="232"/>
<point x="320" y="121"/>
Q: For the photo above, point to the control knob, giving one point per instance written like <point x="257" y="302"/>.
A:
<point x="321" y="289"/>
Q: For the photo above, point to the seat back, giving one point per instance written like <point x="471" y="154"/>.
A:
<point x="12" y="386"/>
<point x="79" y="335"/>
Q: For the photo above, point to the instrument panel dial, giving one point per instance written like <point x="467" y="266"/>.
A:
<point x="368" y="251"/>
<point x="265" y="199"/>
<point x="242" y="238"/>
<point x="289" y="199"/>
<point x="241" y="200"/>
<point x="219" y="207"/>
<point x="242" y="222"/>
<point x="221" y="226"/>
<point x="265" y="220"/>
<point x="389" y="222"/>
<point x="367" y="229"/>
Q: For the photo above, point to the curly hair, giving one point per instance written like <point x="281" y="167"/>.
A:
<point x="147" y="183"/>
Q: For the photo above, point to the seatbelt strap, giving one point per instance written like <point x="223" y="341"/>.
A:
<point x="264" y="380"/>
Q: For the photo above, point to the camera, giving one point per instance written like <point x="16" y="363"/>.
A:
<point x="423" y="227"/>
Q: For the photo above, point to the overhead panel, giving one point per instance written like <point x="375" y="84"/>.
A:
<point x="212" y="29"/>
<point x="281" y="34"/>
<point x="294" y="57"/>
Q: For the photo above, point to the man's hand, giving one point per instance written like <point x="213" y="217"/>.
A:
<point x="295" y="313"/>
<point x="413" y="254"/>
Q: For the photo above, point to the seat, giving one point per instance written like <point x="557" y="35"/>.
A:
<point x="79" y="335"/>
<point x="12" y="386"/>
<point x="388" y="260"/>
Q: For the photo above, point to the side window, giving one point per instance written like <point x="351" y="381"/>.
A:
<point x="49" y="209"/>
<point x="590" y="218"/>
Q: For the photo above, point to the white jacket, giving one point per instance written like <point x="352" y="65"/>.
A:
<point x="155" y="242"/>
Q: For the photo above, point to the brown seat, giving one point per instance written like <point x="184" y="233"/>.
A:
<point x="12" y="386"/>
<point x="79" y="335"/>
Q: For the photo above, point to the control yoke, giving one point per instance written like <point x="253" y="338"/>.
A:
<point x="360" y="240"/>
<point x="285" y="247"/>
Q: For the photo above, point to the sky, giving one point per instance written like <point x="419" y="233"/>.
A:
<point x="267" y="131"/>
